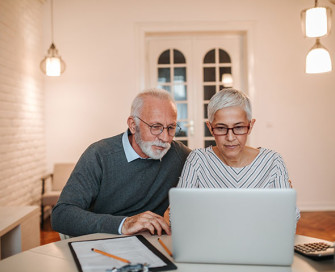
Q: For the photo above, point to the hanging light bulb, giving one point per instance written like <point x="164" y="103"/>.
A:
<point x="316" y="21"/>
<point x="318" y="59"/>
<point x="52" y="64"/>
<point x="227" y="80"/>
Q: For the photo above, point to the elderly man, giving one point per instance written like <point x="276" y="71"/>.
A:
<point x="120" y="184"/>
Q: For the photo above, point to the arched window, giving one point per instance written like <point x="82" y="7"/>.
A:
<point x="216" y="67"/>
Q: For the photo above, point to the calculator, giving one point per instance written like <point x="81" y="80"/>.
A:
<point x="316" y="251"/>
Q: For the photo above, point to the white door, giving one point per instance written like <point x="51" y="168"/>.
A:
<point x="191" y="68"/>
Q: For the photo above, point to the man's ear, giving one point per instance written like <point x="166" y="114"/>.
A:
<point x="131" y="124"/>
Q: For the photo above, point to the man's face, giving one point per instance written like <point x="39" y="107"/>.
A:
<point x="155" y="111"/>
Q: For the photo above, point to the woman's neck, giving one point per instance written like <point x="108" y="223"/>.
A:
<point x="243" y="159"/>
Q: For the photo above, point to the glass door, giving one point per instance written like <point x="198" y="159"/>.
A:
<point x="193" y="68"/>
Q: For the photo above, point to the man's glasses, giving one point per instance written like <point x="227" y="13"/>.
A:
<point x="238" y="130"/>
<point x="157" y="129"/>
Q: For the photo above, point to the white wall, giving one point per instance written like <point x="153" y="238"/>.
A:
<point x="91" y="100"/>
<point x="22" y="137"/>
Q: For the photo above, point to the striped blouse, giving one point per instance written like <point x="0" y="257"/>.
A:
<point x="204" y="169"/>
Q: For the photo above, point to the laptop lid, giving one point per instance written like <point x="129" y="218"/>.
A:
<point x="235" y="226"/>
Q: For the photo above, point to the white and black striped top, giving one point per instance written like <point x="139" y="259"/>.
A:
<point x="204" y="169"/>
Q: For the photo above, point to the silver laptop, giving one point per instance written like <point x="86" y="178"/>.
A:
<point x="233" y="226"/>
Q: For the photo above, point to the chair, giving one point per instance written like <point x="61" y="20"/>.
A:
<point x="58" y="178"/>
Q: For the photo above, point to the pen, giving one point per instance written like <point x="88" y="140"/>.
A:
<point x="110" y="255"/>
<point x="165" y="247"/>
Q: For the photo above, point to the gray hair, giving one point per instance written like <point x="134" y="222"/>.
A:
<point x="136" y="106"/>
<point x="229" y="98"/>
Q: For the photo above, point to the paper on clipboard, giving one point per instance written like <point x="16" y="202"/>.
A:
<point x="136" y="249"/>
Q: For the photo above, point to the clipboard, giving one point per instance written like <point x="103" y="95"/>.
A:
<point x="86" y="259"/>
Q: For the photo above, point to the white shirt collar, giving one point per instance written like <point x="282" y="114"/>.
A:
<point x="131" y="154"/>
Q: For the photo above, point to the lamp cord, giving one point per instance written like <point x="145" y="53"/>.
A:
<point x="52" y="23"/>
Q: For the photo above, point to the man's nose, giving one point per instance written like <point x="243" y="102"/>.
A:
<point x="164" y="136"/>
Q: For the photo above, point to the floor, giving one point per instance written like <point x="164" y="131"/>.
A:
<point x="315" y="224"/>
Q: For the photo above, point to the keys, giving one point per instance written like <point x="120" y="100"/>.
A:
<point x="319" y="250"/>
<point x="312" y="247"/>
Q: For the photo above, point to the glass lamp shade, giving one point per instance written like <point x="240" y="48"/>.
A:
<point x="318" y="60"/>
<point x="227" y="80"/>
<point x="316" y="22"/>
<point x="52" y="64"/>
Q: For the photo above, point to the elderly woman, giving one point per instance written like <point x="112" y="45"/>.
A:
<point x="232" y="164"/>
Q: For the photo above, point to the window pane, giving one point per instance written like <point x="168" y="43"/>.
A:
<point x="163" y="75"/>
<point x="166" y="88"/>
<point x="178" y="57"/>
<point x="209" y="91"/>
<point x="206" y="131"/>
<point x="209" y="74"/>
<point x="224" y="70"/>
<point x="210" y="57"/>
<point x="205" y="111"/>
<point x="183" y="132"/>
<point x="224" y="56"/>
<point x="164" y="58"/>
<point x="209" y="143"/>
<point x="181" y="111"/>
<point x="180" y="92"/>
<point x="179" y="74"/>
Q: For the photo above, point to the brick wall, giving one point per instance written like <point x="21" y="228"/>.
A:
<point x="22" y="136"/>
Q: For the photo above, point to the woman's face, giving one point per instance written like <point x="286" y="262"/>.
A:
<point x="231" y="146"/>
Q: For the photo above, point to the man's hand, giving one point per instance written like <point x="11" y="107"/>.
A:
<point x="145" y="221"/>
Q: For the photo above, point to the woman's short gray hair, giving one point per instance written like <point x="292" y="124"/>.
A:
<point x="136" y="106"/>
<point x="229" y="98"/>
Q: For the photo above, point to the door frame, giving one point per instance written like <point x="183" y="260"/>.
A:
<point x="244" y="28"/>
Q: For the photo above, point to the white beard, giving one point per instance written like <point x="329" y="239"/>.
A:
<point x="146" y="146"/>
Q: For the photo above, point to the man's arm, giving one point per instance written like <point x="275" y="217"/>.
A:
<point x="72" y="215"/>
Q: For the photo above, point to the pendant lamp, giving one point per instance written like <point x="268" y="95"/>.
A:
<point x="52" y="64"/>
<point x="316" y="23"/>
<point x="227" y="80"/>
<point x="318" y="59"/>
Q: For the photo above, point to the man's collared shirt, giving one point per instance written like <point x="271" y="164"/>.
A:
<point x="131" y="154"/>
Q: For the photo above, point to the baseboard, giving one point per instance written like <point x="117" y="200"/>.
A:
<point x="313" y="207"/>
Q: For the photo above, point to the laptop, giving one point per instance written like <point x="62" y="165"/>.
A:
<point x="233" y="226"/>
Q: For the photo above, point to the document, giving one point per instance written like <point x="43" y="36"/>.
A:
<point x="135" y="249"/>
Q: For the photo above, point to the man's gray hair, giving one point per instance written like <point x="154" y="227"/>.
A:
<point x="136" y="106"/>
<point x="229" y="98"/>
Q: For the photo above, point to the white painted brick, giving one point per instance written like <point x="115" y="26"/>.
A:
<point x="22" y="135"/>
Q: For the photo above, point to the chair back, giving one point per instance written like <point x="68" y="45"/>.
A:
<point x="61" y="174"/>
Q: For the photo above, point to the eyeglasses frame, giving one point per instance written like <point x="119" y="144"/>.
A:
<point x="232" y="129"/>
<point x="178" y="128"/>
